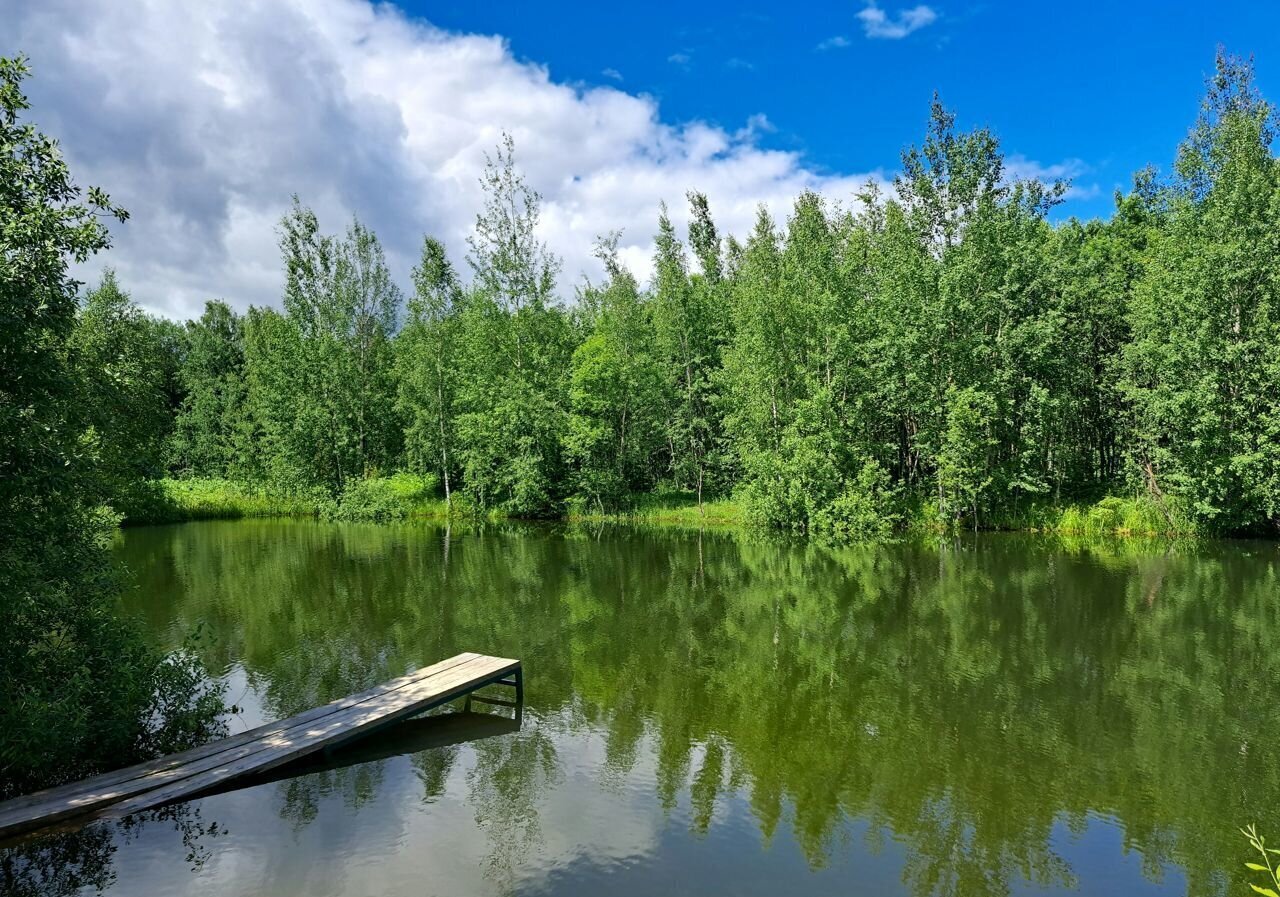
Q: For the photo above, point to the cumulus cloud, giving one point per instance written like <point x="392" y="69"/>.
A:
<point x="879" y="24"/>
<point x="1018" y="167"/>
<point x="203" y="120"/>
<point x="838" y="42"/>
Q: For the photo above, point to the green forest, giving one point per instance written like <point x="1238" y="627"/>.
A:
<point x="941" y="354"/>
<point x="944" y="353"/>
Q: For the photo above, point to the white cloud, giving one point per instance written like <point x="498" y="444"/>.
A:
<point x="756" y="125"/>
<point x="680" y="58"/>
<point x="838" y="42"/>
<point x="203" y="119"/>
<point x="612" y="73"/>
<point x="1019" y="168"/>
<point x="877" y="23"/>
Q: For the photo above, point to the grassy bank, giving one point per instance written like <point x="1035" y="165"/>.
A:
<point x="676" y="509"/>
<point x="172" y="501"/>
<point x="379" y="499"/>
<point x="1110" y="516"/>
<point x="406" y="496"/>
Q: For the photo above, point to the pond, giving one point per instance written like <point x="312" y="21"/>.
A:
<point x="717" y="714"/>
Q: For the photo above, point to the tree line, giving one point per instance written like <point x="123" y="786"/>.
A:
<point x="943" y="350"/>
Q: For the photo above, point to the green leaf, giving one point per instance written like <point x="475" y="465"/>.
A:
<point x="1266" y="892"/>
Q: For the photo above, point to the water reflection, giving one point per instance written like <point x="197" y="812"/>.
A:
<point x="982" y="716"/>
<point x="71" y="859"/>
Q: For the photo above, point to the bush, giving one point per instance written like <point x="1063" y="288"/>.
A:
<point x="173" y="501"/>
<point x="806" y="494"/>
<point x="382" y="499"/>
<point x="787" y="487"/>
<point x="1139" y="516"/>
<point x="867" y="507"/>
<point x="188" y="707"/>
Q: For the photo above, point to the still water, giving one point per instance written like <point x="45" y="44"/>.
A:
<point x="713" y="714"/>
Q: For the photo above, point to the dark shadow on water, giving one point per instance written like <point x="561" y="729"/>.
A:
<point x="406" y="737"/>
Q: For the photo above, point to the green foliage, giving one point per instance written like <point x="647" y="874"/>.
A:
<point x="616" y="395"/>
<point x="210" y="498"/>
<point x="1201" y="368"/>
<point x="125" y="366"/>
<point x="1135" y="515"/>
<point x="964" y="461"/>
<point x="188" y="707"/>
<point x="396" y="497"/>
<point x="212" y="433"/>
<point x="669" y="508"/>
<point x="999" y="370"/>
<point x="515" y="344"/>
<point x="383" y="499"/>
<point x="427" y="367"/>
<point x="866" y="507"/>
<point x="320" y="381"/>
<point x="82" y="408"/>
<point x="792" y="485"/>
<point x="690" y="321"/>
<point x="1268" y="867"/>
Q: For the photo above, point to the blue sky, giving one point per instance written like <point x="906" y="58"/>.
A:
<point x="203" y="119"/>
<point x="1112" y="85"/>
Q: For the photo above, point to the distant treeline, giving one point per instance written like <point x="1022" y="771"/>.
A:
<point x="943" y="351"/>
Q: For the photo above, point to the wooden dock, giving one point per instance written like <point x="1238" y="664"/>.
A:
<point x="212" y="767"/>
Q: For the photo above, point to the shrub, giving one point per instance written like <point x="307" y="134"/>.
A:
<point x="172" y="501"/>
<point x="867" y="507"/>
<point x="382" y="499"/>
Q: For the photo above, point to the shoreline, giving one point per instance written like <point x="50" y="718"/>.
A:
<point x="404" y="497"/>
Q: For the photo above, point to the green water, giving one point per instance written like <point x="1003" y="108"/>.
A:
<point x="718" y="715"/>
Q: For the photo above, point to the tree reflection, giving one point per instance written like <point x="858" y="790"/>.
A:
<point x="70" y="862"/>
<point x="966" y="696"/>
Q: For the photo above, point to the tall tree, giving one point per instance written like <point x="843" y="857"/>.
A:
<point x="616" y="392"/>
<point x="986" y="325"/>
<point x="126" y="365"/>
<point x="516" y="341"/>
<point x="689" y="342"/>
<point x="369" y="303"/>
<point x="325" y="393"/>
<point x="79" y="684"/>
<point x="1204" y="359"/>
<point x="428" y="366"/>
<point x="209" y="437"/>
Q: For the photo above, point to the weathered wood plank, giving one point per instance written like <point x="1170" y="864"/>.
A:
<point x="118" y="778"/>
<point x="328" y="732"/>
<point x="169" y="779"/>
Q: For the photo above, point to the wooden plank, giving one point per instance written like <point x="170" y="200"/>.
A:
<point x="80" y="796"/>
<point x="171" y="778"/>
<point x="119" y="777"/>
<point x="224" y="753"/>
<point x="328" y="732"/>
